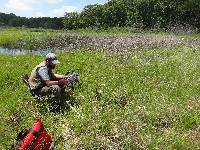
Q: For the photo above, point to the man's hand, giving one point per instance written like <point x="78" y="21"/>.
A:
<point x="62" y="82"/>
<point x="66" y="77"/>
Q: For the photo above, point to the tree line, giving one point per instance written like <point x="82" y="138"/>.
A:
<point x="145" y="14"/>
<point x="150" y="14"/>
<point x="41" y="22"/>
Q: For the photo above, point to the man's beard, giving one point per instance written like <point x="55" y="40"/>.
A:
<point x="51" y="66"/>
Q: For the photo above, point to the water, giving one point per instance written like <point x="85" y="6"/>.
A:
<point x="6" y="51"/>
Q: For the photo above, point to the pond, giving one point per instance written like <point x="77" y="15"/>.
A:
<point x="6" y="51"/>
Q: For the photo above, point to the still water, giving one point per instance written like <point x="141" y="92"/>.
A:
<point x="6" y="51"/>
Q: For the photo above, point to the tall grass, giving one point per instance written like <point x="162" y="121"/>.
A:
<point x="146" y="99"/>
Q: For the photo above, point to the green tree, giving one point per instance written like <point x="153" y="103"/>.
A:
<point x="71" y="20"/>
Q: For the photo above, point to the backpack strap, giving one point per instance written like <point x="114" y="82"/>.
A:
<point x="22" y="134"/>
<point x="36" y="135"/>
<point x="19" y="139"/>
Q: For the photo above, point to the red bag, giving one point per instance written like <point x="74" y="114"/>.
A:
<point x="36" y="138"/>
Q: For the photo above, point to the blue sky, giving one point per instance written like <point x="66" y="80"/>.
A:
<point x="44" y="8"/>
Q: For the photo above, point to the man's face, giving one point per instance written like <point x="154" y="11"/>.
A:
<point x="51" y="65"/>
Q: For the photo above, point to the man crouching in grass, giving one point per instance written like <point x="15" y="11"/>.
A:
<point x="44" y="82"/>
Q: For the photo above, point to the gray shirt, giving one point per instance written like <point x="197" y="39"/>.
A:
<point x="43" y="72"/>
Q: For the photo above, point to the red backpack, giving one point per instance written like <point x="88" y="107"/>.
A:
<point x="36" y="138"/>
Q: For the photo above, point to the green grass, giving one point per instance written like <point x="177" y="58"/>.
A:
<point x="148" y="99"/>
<point x="11" y="37"/>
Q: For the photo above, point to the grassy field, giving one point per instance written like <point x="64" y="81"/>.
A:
<point x="146" y="99"/>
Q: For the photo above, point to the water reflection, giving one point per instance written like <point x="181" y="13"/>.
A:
<point x="6" y="51"/>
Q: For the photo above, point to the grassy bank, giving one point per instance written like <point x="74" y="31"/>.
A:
<point x="146" y="99"/>
<point x="23" y="38"/>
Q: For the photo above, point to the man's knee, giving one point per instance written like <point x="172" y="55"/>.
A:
<point x="56" y="90"/>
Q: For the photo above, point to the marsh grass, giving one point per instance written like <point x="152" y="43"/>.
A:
<point x="112" y="40"/>
<point x="146" y="99"/>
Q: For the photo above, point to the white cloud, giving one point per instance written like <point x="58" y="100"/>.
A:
<point x="18" y="5"/>
<point x="23" y="8"/>
<point x="54" y="1"/>
<point x="60" y="12"/>
<point x="39" y="14"/>
<point x="4" y="11"/>
<point x="31" y="8"/>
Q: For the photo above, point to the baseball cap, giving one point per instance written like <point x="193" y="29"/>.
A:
<point x="52" y="57"/>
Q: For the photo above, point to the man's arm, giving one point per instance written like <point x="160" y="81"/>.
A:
<point x="59" y="76"/>
<point x="49" y="82"/>
<point x="59" y="79"/>
<point x="60" y="82"/>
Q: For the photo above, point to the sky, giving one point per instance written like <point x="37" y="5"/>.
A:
<point x="44" y="8"/>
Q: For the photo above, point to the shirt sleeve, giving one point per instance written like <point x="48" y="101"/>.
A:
<point x="43" y="72"/>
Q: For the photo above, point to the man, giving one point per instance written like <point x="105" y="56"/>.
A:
<point x="46" y="83"/>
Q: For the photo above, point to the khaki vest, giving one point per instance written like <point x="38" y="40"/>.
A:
<point x="35" y="81"/>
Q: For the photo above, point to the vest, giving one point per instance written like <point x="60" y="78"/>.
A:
<point x="35" y="80"/>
